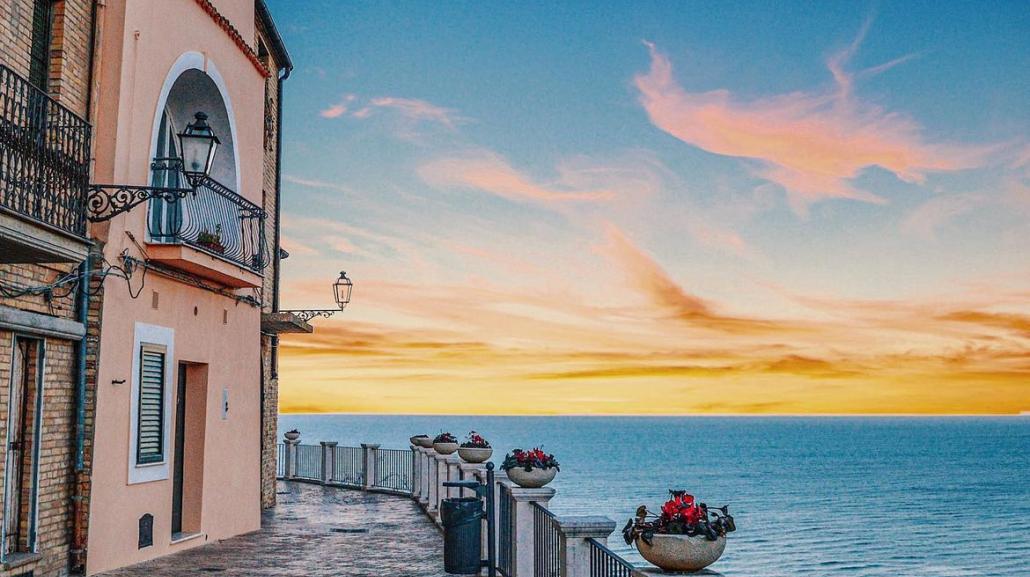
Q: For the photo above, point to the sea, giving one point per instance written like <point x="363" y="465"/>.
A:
<point x="811" y="496"/>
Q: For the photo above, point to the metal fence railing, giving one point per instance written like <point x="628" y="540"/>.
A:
<point x="214" y="218"/>
<point x="280" y="461"/>
<point x="546" y="543"/>
<point x="393" y="470"/>
<point x="505" y="530"/>
<point x="309" y="462"/>
<point x="44" y="156"/>
<point x="348" y="466"/>
<point x="605" y="563"/>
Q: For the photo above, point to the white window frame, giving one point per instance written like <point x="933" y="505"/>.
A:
<point x="147" y="335"/>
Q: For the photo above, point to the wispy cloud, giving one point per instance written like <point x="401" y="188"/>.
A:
<point x="813" y="144"/>
<point x="416" y="109"/>
<point x="671" y="299"/>
<point x="411" y="109"/>
<point x="490" y="172"/>
<point x="315" y="183"/>
<point x="339" y="108"/>
<point x="924" y="221"/>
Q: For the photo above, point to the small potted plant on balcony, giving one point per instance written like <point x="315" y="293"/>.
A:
<point x="445" y="443"/>
<point x="421" y="441"/>
<point x="212" y="240"/>
<point x="531" y="469"/>
<point x="475" y="449"/>
<point x="292" y="435"/>
<point x="687" y="535"/>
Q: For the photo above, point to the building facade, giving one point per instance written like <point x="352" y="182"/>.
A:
<point x="179" y="410"/>
<point x="45" y="367"/>
<point x="139" y="319"/>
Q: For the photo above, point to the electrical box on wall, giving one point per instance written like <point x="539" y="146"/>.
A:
<point x="225" y="403"/>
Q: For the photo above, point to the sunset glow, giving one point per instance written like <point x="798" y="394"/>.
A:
<point x="684" y="209"/>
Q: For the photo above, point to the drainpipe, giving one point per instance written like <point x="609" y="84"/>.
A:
<point x="82" y="477"/>
<point x="278" y="210"/>
<point x="79" y="506"/>
<point x="274" y="344"/>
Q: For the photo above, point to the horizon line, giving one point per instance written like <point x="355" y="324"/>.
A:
<point x="663" y="415"/>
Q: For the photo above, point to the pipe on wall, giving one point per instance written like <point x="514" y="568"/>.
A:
<point x="80" y="506"/>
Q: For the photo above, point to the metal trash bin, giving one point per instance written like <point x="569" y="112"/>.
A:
<point x="462" y="535"/>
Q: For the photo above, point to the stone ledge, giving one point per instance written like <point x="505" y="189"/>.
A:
<point x="586" y="526"/>
<point x="39" y="324"/>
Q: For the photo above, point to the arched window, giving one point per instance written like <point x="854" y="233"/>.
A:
<point x="166" y="172"/>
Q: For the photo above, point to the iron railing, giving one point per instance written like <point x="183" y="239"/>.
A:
<point x="309" y="462"/>
<point x="505" y="531"/>
<point x="546" y="543"/>
<point x="605" y="563"/>
<point x="280" y="461"/>
<point x="212" y="218"/>
<point x="348" y="466"/>
<point x="393" y="470"/>
<point x="44" y="156"/>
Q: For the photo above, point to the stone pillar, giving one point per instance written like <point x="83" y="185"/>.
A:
<point x="500" y="477"/>
<point x="291" y="458"/>
<point x="453" y="474"/>
<point x="424" y="480"/>
<point x="368" y="464"/>
<point x="471" y="472"/>
<point x="328" y="461"/>
<point x="524" y="534"/>
<point x="475" y="472"/>
<point x="416" y="474"/>
<point x="441" y="476"/>
<point x="434" y="484"/>
<point x="573" y="547"/>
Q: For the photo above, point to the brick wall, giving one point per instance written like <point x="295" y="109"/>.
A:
<point x="56" y="456"/>
<point x="70" y="47"/>
<point x="68" y="83"/>
<point x="270" y="171"/>
<point x="16" y="34"/>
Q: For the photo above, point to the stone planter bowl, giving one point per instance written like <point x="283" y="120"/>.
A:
<point x="533" y="478"/>
<point x="680" y="552"/>
<point x="445" y="448"/>
<point x="424" y="442"/>
<point x="414" y="440"/>
<point x="292" y="436"/>
<point x="475" y="454"/>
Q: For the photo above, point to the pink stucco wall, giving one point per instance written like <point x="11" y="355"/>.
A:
<point x="140" y="42"/>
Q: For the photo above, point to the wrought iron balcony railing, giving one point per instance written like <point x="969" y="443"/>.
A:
<point x="44" y="156"/>
<point x="213" y="219"/>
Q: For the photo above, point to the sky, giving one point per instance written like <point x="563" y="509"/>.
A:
<point x="663" y="208"/>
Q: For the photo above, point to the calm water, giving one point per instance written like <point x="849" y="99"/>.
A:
<point x="811" y="496"/>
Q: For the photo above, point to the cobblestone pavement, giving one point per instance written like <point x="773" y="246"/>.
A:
<point x="302" y="536"/>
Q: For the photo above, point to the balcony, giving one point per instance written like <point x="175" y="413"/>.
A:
<point x="212" y="233"/>
<point x="44" y="175"/>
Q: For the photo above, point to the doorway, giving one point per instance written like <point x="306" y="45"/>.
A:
<point x="178" y="464"/>
<point x="24" y="423"/>
<point x="189" y="426"/>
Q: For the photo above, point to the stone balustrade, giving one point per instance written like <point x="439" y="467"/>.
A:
<point x="571" y="546"/>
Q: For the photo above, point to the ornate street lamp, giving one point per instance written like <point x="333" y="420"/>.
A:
<point x="342" y="289"/>
<point x="341" y="293"/>
<point x="197" y="146"/>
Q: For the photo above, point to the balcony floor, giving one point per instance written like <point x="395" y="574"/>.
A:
<point x="297" y="538"/>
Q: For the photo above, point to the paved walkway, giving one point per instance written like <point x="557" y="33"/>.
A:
<point x="314" y="532"/>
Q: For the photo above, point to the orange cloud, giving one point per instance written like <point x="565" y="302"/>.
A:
<point x="673" y="302"/>
<point x="811" y="144"/>
<point x="490" y="172"/>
